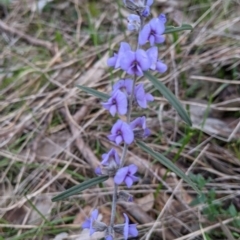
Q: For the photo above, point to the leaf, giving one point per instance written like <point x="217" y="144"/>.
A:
<point x="170" y="97"/>
<point x="171" y="29"/>
<point x="94" y="92"/>
<point x="167" y="163"/>
<point x="79" y="188"/>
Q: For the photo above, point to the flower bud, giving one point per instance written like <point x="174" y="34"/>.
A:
<point x="134" y="22"/>
<point x="135" y="5"/>
<point x="99" y="226"/>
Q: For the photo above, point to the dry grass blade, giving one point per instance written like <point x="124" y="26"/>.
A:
<point x="53" y="134"/>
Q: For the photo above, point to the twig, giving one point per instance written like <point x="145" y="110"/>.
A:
<point x="34" y="41"/>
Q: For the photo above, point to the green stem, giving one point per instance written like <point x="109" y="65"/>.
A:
<point x="125" y="148"/>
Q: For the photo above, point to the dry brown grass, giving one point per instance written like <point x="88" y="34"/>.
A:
<point x="52" y="134"/>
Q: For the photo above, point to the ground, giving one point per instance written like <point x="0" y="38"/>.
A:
<point x="53" y="134"/>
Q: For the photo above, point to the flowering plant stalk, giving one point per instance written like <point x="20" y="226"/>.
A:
<point x="128" y="94"/>
<point x="125" y="95"/>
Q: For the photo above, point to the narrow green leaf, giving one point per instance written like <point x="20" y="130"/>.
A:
<point x="79" y="188"/>
<point x="169" y="164"/>
<point x="94" y="92"/>
<point x="171" y="29"/>
<point x="170" y="97"/>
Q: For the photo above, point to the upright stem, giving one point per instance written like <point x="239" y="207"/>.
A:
<point x="125" y="148"/>
<point x="114" y="204"/>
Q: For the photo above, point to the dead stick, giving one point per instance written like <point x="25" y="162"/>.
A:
<point x="34" y="41"/>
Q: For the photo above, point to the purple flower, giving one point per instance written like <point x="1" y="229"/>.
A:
<point x="117" y="103"/>
<point x="134" y="22"/>
<point x="155" y="63"/>
<point x="90" y="221"/>
<point x="126" y="174"/>
<point x="115" y="60"/>
<point x="139" y="127"/>
<point x="121" y="131"/>
<point x="110" y="158"/>
<point x="141" y="97"/>
<point x="135" y="62"/>
<point x="124" y="85"/>
<point x="153" y="31"/>
<point x="129" y="229"/>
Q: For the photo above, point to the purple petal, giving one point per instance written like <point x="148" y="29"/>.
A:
<point x="138" y="122"/>
<point x="98" y="171"/>
<point x="159" y="38"/>
<point x="132" y="169"/>
<point x="118" y="85"/>
<point x="116" y="126"/>
<point x="134" y="17"/>
<point x="106" y="156"/>
<point x="144" y="34"/>
<point x="143" y="59"/>
<point x="132" y="229"/>
<point x="129" y="85"/>
<point x="134" y="178"/>
<point x="113" y="110"/>
<point x="109" y="237"/>
<point x="124" y="84"/>
<point x="92" y="231"/>
<point x="162" y="18"/>
<point x="138" y="71"/>
<point x="127" y="59"/>
<point x="149" y="3"/>
<point x="111" y="62"/>
<point x="116" y="157"/>
<point x="153" y="55"/>
<point x="127" y="133"/>
<point x="118" y="139"/>
<point x="146" y="11"/>
<point x="94" y="214"/>
<point x="120" y="175"/>
<point x="128" y="181"/>
<point x="106" y="105"/>
<point x="146" y="133"/>
<point x="86" y="224"/>
<point x="160" y="28"/>
<point x="142" y="103"/>
<point x="149" y="97"/>
<point x="126" y="227"/>
<point x="112" y="137"/>
<point x="123" y="48"/>
<point x="122" y="103"/>
<point x="156" y="26"/>
<point x="161" y="67"/>
<point x="152" y="40"/>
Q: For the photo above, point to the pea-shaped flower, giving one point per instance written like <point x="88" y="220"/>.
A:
<point x="126" y="229"/>
<point x="115" y="60"/>
<point x="121" y="132"/>
<point x="124" y="85"/>
<point x="141" y="97"/>
<point x="117" y="103"/>
<point x="139" y="127"/>
<point x="135" y="63"/>
<point x="153" y="31"/>
<point x="156" y="64"/>
<point x="126" y="174"/>
<point x="93" y="224"/>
